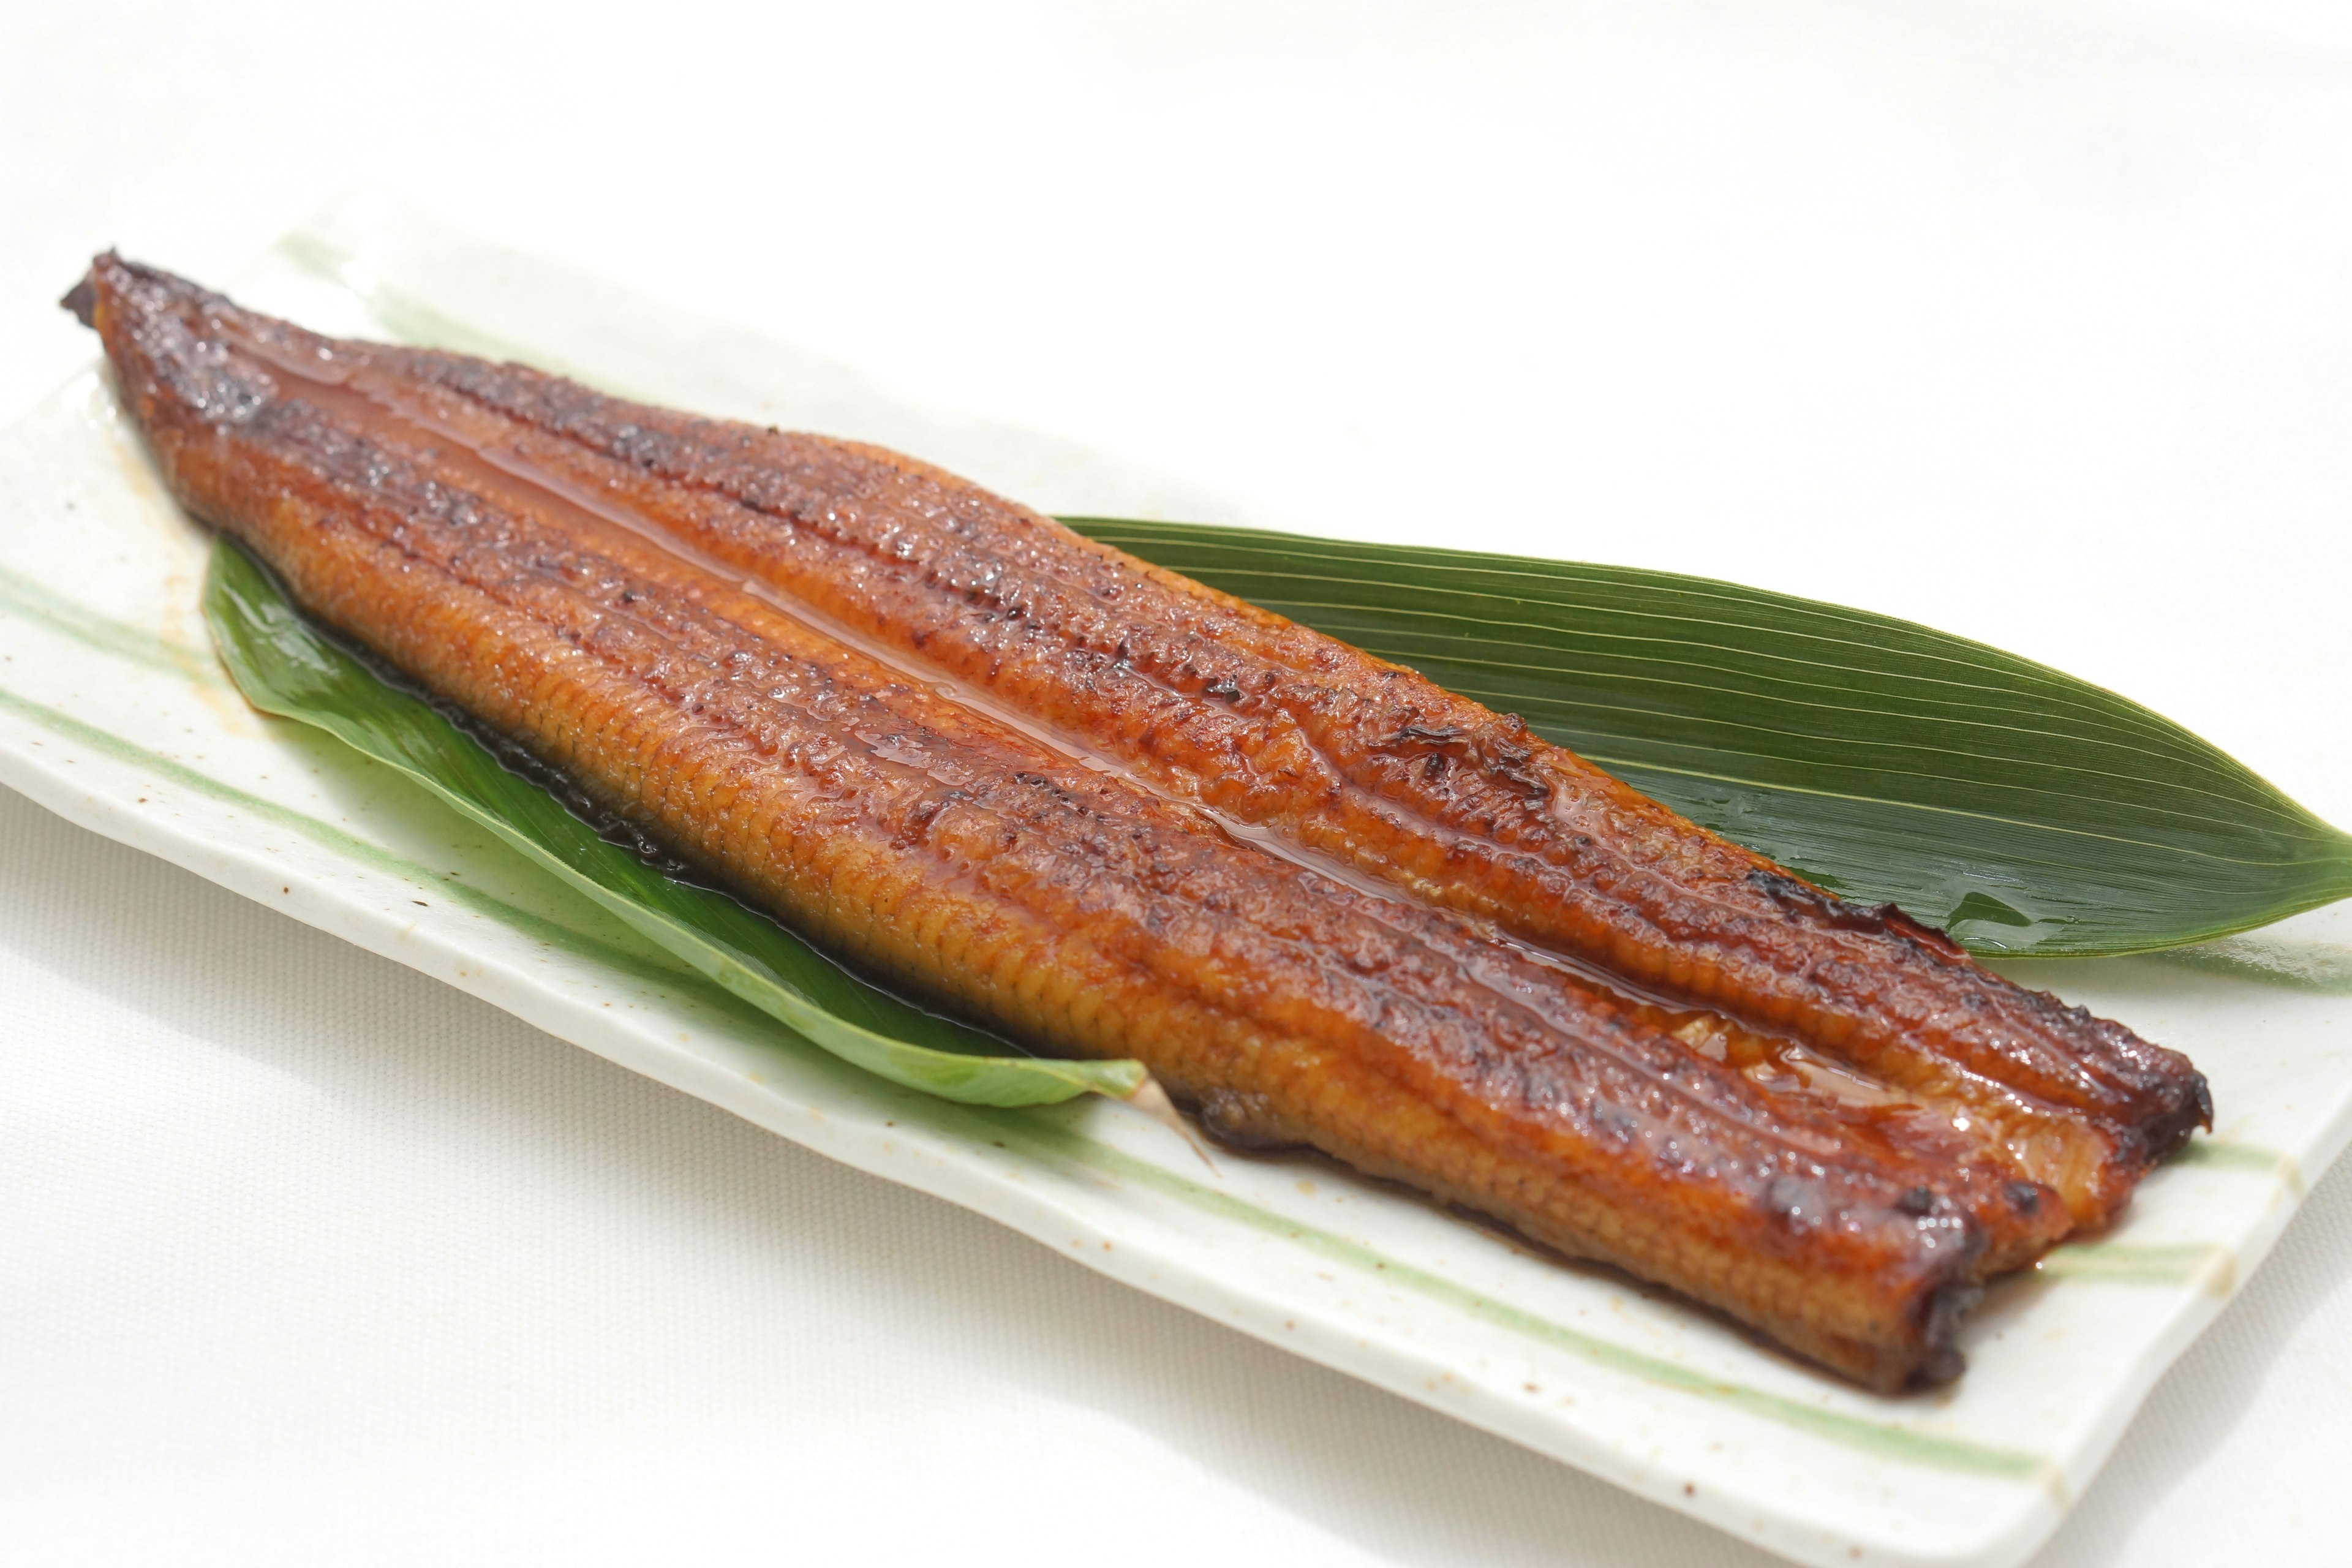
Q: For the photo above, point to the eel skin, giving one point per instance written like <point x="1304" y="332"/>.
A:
<point x="1112" y="813"/>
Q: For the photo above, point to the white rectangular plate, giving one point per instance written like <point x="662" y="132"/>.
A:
<point x="113" y="713"/>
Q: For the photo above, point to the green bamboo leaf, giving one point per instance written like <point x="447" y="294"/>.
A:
<point x="2024" y="810"/>
<point x="285" y="667"/>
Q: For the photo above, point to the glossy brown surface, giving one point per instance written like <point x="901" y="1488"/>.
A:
<point x="971" y="752"/>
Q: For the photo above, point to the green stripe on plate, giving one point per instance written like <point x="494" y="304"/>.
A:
<point x="26" y="600"/>
<point x="1883" y="1438"/>
<point x="2252" y="1157"/>
<point x="2200" y="1263"/>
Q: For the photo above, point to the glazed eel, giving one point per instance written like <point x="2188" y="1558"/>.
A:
<point x="1110" y="812"/>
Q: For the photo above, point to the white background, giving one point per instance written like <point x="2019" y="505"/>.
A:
<point x="2030" y="320"/>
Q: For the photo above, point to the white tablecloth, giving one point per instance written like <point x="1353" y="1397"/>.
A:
<point x="2031" y="321"/>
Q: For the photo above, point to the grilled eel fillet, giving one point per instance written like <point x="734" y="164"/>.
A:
<point x="1024" y="776"/>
